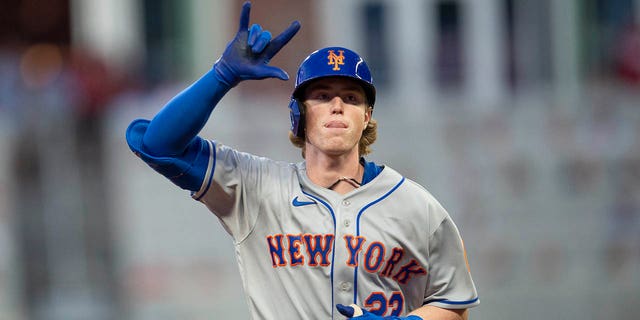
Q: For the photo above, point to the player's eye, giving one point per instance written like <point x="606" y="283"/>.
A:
<point x="322" y="96"/>
<point x="352" y="99"/>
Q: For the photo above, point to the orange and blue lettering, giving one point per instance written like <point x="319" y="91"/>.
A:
<point x="376" y="303"/>
<point x="318" y="245"/>
<point x="408" y="270"/>
<point x="295" y="255"/>
<point x="396" y="255"/>
<point x="353" y="248"/>
<point x="276" y="250"/>
<point x="374" y="257"/>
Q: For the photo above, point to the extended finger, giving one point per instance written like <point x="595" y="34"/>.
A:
<point x="351" y="311"/>
<point x="282" y="39"/>
<point x="261" y="42"/>
<point x="244" y="16"/>
<point x="267" y="71"/>
<point x="254" y="32"/>
<point x="346" y="311"/>
<point x="357" y="311"/>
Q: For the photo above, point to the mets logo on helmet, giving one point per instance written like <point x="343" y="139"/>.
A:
<point x="335" y="60"/>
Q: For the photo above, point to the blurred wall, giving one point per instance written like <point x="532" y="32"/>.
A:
<point x="521" y="117"/>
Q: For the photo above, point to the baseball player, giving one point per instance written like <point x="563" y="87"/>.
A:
<point x="334" y="236"/>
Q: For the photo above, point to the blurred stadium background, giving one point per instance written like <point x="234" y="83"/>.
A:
<point x="521" y="117"/>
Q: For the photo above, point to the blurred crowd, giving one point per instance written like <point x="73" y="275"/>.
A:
<point x="547" y="196"/>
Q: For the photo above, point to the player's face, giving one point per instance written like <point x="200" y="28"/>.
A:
<point x="336" y="115"/>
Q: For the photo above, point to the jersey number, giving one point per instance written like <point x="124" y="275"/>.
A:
<point x="378" y="303"/>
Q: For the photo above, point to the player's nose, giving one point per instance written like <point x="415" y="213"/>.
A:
<point x="336" y="104"/>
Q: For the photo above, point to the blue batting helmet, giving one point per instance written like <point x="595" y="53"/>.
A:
<point x="328" y="62"/>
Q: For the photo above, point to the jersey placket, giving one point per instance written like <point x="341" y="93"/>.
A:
<point x="344" y="282"/>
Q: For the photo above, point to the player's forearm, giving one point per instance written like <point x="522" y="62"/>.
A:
<point x="182" y="118"/>
<point x="435" y="313"/>
<point x="246" y="57"/>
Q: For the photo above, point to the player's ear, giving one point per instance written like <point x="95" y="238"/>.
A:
<point x="368" y="111"/>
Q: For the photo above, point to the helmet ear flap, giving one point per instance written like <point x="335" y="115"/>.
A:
<point x="297" y="118"/>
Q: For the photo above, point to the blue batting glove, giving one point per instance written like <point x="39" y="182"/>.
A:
<point x="247" y="56"/>
<point x="355" y="312"/>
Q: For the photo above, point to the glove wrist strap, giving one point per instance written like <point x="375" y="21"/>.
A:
<point x="225" y="74"/>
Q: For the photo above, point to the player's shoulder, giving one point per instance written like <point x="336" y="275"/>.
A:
<point x="408" y="185"/>
<point x="251" y="164"/>
<point x="416" y="192"/>
<point x="223" y="150"/>
<point x="417" y="188"/>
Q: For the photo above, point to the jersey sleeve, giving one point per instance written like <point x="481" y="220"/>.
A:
<point x="450" y="284"/>
<point x="235" y="185"/>
<point x="186" y="170"/>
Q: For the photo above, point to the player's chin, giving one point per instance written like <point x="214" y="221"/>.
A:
<point x="334" y="144"/>
<point x="338" y="148"/>
<point x="344" y="135"/>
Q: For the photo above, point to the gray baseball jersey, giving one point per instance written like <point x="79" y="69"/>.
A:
<point x="388" y="246"/>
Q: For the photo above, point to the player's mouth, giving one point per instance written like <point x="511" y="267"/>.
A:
<point x="334" y="124"/>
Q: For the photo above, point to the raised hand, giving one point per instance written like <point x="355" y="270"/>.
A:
<point x="247" y="56"/>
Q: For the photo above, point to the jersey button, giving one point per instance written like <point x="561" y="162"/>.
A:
<point x="346" y="203"/>
<point x="345" y="286"/>
<point x="347" y="222"/>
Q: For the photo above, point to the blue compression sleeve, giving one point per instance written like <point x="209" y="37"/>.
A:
<point x="182" y="118"/>
<point x="186" y="171"/>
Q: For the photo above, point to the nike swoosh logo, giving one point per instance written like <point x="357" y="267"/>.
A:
<point x="298" y="203"/>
